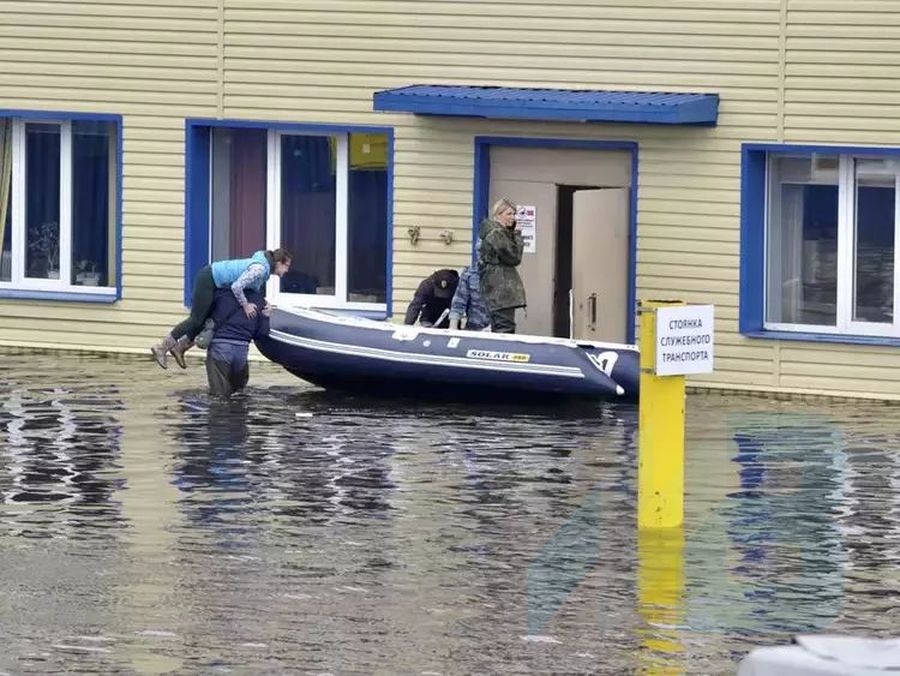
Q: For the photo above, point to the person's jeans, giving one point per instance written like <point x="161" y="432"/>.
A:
<point x="201" y="303"/>
<point x="227" y="369"/>
<point x="504" y="321"/>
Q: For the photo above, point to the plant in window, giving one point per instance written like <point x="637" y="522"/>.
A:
<point x="86" y="273"/>
<point x="43" y="246"/>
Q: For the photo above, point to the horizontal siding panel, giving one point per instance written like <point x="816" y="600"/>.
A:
<point x="50" y="99"/>
<point x="717" y="60"/>
<point x="102" y="74"/>
<point x="134" y="35"/>
<point x="846" y="355"/>
<point x="287" y="50"/>
<point x="548" y="17"/>
<point x="83" y="49"/>
<point x="169" y="91"/>
<point x="39" y="11"/>
<point x="664" y="45"/>
<point x="651" y="257"/>
<point x="54" y="89"/>
<point x="654" y="279"/>
<point x="151" y="21"/>
<point x="843" y="385"/>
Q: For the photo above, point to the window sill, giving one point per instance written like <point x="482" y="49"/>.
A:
<point x="882" y="341"/>
<point x="107" y="296"/>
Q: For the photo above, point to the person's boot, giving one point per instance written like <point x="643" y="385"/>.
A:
<point x="159" y="351"/>
<point x="177" y="350"/>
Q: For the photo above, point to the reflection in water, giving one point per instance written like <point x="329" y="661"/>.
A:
<point x="148" y="528"/>
<point x="59" y="449"/>
<point x="790" y="481"/>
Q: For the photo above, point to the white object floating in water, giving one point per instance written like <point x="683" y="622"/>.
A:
<point x="303" y="414"/>
<point x="156" y="632"/>
<point x="541" y="639"/>
<point x="825" y="655"/>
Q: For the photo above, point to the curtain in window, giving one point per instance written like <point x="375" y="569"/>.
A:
<point x="248" y="192"/>
<point x="308" y="208"/>
<point x="367" y="238"/>
<point x="5" y="195"/>
<point x="42" y="208"/>
<point x="91" y="143"/>
<point x="792" y="245"/>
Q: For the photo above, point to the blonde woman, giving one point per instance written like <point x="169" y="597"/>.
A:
<point x="499" y="253"/>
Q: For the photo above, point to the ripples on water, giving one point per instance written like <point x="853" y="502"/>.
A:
<point x="147" y="528"/>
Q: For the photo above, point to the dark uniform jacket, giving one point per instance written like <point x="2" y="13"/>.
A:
<point x="433" y="297"/>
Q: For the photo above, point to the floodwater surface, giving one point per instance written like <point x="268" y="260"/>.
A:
<point x="145" y="528"/>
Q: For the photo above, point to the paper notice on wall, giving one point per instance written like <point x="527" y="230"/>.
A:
<point x="526" y="222"/>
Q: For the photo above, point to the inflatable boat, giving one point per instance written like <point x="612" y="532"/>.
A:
<point x="379" y="357"/>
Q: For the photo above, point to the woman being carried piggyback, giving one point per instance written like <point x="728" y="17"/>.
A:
<point x="236" y="274"/>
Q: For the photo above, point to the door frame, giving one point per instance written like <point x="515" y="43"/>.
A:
<point x="482" y="183"/>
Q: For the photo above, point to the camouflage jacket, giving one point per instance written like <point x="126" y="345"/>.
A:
<point x="499" y="252"/>
<point x="467" y="301"/>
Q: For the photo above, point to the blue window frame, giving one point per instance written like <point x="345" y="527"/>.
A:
<point x="322" y="191"/>
<point x="60" y="206"/>
<point x="819" y="243"/>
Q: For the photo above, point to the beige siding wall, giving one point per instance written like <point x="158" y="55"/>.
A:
<point x="154" y="62"/>
<point x="782" y="69"/>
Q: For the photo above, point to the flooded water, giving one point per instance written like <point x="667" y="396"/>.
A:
<point x="147" y="529"/>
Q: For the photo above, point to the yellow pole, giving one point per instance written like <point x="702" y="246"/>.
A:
<point x="660" y="432"/>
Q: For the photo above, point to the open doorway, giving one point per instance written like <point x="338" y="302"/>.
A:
<point x="577" y="265"/>
<point x="562" y="278"/>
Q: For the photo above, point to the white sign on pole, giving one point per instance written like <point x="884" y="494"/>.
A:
<point x="526" y="222"/>
<point x="684" y="340"/>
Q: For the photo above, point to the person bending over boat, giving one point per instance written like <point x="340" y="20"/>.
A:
<point x="227" y="367"/>
<point x="467" y="302"/>
<point x="499" y="254"/>
<point x="238" y="275"/>
<point x="432" y="299"/>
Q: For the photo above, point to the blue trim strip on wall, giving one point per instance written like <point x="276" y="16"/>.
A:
<point x="25" y="294"/>
<point x="754" y="159"/>
<point x="389" y="276"/>
<point x="120" y="172"/>
<point x="752" y="248"/>
<point x="59" y="115"/>
<point x="483" y="183"/>
<point x="481" y="190"/>
<point x="196" y="201"/>
<point x="197" y="186"/>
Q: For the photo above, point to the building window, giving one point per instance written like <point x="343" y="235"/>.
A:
<point x="819" y="233"/>
<point x="322" y="194"/>
<point x="59" y="206"/>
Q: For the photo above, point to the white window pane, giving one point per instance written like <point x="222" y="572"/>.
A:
<point x="308" y="213"/>
<point x="873" y="241"/>
<point x="93" y="203"/>
<point x="42" y="169"/>
<point x="802" y="240"/>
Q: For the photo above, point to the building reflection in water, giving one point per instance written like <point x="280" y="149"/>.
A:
<point x="61" y="448"/>
<point x="768" y="559"/>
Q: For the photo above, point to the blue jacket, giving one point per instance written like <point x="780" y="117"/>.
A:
<point x="232" y="323"/>
<point x="225" y="273"/>
<point x="467" y="301"/>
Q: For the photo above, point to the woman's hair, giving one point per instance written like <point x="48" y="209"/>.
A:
<point x="501" y="205"/>
<point x="278" y="256"/>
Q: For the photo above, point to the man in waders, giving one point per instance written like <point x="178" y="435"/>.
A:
<point x="227" y="368"/>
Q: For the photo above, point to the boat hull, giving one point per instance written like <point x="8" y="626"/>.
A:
<point x="378" y="357"/>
